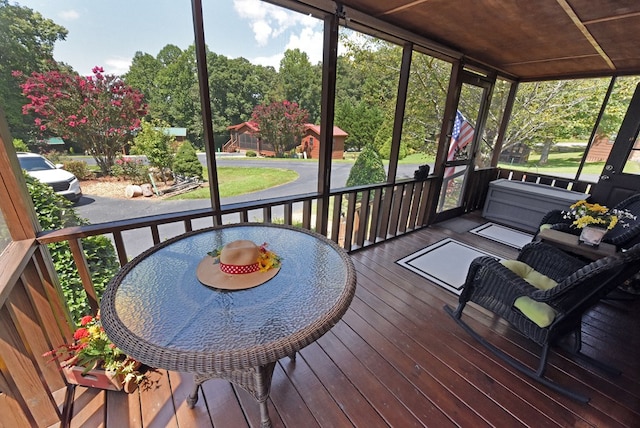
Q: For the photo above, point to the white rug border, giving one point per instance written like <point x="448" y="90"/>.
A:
<point x="478" y="229"/>
<point x="406" y="260"/>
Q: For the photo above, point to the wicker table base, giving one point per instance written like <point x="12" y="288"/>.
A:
<point x="158" y="312"/>
<point x="255" y="380"/>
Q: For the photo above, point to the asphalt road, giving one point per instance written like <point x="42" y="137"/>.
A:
<point x="101" y="209"/>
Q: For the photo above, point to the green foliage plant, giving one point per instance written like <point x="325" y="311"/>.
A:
<point x="98" y="111"/>
<point x="385" y="150"/>
<point x="186" y="162"/>
<point x="27" y="42"/>
<point x="20" y="145"/>
<point x="55" y="212"/>
<point x="78" y="168"/>
<point x="131" y="169"/>
<point x="156" y="144"/>
<point x="367" y="169"/>
<point x="251" y="154"/>
<point x="281" y="124"/>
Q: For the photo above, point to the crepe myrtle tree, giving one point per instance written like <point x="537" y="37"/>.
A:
<point x="281" y="123"/>
<point x="99" y="112"/>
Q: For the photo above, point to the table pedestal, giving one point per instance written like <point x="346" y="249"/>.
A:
<point x="255" y="380"/>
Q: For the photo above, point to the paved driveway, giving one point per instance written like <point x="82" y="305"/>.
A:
<point x="101" y="209"/>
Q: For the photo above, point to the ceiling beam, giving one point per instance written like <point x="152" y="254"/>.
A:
<point x="585" y="32"/>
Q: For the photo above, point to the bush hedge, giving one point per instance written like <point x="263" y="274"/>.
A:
<point x="186" y="163"/>
<point x="55" y="212"/>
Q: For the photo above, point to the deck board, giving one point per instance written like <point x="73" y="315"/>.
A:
<point x="397" y="359"/>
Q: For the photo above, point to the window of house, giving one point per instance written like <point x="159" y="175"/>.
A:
<point x="424" y="110"/>
<point x="552" y="121"/>
<point x="492" y="127"/>
<point x="366" y="89"/>
<point x="607" y="131"/>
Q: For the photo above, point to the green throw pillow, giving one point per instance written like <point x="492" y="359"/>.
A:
<point x="526" y="272"/>
<point x="538" y="312"/>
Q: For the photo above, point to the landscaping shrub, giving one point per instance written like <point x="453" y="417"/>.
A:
<point x="251" y="154"/>
<point x="78" y="168"/>
<point x="131" y="169"/>
<point x="153" y="142"/>
<point x="367" y="169"/>
<point x="55" y="212"/>
<point x="20" y="145"/>
<point x="186" y="163"/>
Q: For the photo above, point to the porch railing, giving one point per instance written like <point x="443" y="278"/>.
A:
<point x="32" y="314"/>
<point x="358" y="217"/>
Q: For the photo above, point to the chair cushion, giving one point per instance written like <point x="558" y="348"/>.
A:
<point x="526" y="272"/>
<point x="538" y="312"/>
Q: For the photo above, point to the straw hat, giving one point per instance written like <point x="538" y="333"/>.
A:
<point x="240" y="265"/>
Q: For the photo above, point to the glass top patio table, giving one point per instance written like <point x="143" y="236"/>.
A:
<point x="157" y="311"/>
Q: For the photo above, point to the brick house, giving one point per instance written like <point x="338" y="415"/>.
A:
<point x="243" y="137"/>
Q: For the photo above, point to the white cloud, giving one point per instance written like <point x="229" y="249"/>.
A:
<point x="117" y="65"/>
<point x="262" y="31"/>
<point x="309" y="41"/>
<point x="268" y="21"/>
<point x="69" y="15"/>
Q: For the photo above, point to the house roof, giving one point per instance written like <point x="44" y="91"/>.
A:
<point x="176" y="132"/>
<point x="337" y="132"/>
<point x="253" y="127"/>
<point x="528" y="40"/>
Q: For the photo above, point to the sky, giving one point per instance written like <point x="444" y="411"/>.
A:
<point x="109" y="33"/>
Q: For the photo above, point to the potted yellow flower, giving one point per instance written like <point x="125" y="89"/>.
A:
<point x="595" y="220"/>
<point x="93" y="360"/>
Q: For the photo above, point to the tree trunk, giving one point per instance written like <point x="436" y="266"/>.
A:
<point x="544" y="156"/>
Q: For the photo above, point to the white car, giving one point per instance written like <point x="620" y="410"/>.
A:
<point x="63" y="182"/>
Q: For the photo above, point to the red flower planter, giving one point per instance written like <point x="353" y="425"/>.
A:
<point x="97" y="378"/>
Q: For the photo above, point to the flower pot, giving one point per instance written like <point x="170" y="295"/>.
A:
<point x="97" y="378"/>
<point x="591" y="235"/>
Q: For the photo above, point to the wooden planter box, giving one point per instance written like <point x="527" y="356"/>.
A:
<point x="95" y="378"/>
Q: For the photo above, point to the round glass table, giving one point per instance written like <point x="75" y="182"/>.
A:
<point x="157" y="311"/>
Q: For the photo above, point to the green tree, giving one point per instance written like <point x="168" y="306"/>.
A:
<point x="20" y="145"/>
<point x="360" y="120"/>
<point x="186" y="162"/>
<point x="156" y="144"/>
<point x="142" y="75"/>
<point x="367" y="169"/>
<point x="99" y="112"/>
<point x="281" y="124"/>
<point x="26" y="44"/>
<point x="55" y="212"/>
<point x="236" y="86"/>
<point x="301" y="82"/>
<point x="176" y="100"/>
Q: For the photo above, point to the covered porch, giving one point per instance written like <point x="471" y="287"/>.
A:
<point x="397" y="359"/>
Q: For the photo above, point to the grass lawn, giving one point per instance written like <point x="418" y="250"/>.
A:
<point x="567" y="162"/>
<point x="234" y="181"/>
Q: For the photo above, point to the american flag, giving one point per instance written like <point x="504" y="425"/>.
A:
<point x="461" y="136"/>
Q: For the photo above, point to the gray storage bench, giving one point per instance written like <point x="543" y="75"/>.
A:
<point x="522" y="205"/>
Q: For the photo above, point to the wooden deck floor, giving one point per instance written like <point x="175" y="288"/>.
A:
<point x="397" y="359"/>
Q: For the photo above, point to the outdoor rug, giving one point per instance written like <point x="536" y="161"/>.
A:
<point x="502" y="234"/>
<point x="445" y="263"/>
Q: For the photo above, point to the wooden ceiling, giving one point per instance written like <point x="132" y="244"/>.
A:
<point x="525" y="39"/>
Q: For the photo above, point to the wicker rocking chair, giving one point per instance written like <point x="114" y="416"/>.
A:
<point x="565" y="288"/>
<point x="622" y="236"/>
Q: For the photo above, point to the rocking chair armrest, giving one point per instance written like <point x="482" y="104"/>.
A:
<point x="487" y="277"/>
<point x="555" y="217"/>
<point x="550" y="260"/>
